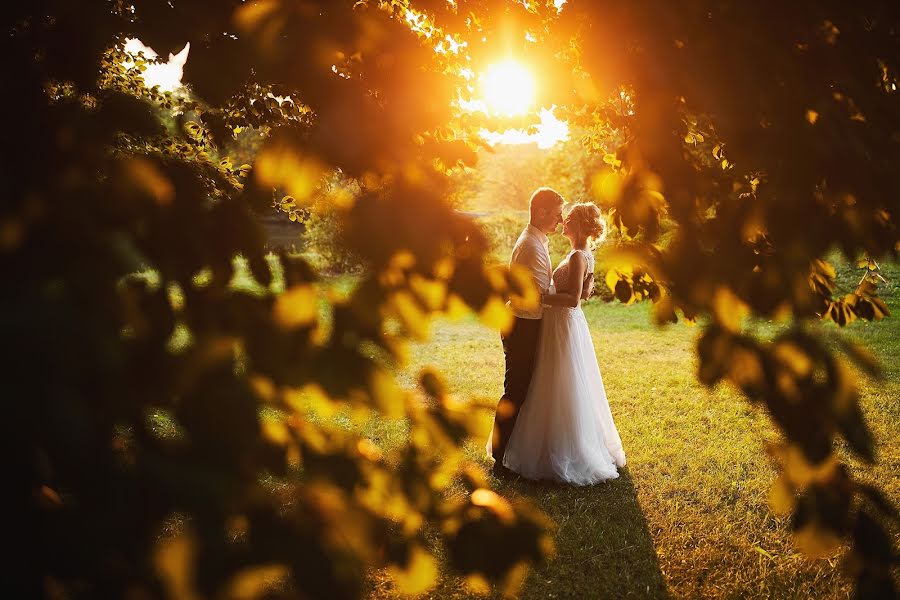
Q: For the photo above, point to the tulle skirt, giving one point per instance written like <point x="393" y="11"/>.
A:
<point x="565" y="430"/>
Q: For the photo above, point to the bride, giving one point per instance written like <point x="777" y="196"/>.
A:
<point x="565" y="431"/>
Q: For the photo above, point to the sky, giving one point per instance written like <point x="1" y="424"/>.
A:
<point x="167" y="75"/>
<point x="547" y="133"/>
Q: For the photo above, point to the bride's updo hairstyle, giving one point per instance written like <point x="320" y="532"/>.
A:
<point x="589" y="219"/>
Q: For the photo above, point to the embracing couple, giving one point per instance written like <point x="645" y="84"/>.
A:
<point x="553" y="421"/>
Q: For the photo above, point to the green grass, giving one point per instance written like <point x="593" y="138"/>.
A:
<point x="689" y="515"/>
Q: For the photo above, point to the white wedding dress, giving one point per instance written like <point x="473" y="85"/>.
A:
<point x="565" y="430"/>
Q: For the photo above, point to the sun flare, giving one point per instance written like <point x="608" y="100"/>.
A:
<point x="508" y="88"/>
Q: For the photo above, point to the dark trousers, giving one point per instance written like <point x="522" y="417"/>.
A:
<point x="519" y="348"/>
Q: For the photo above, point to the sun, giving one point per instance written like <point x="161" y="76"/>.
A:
<point x="508" y="88"/>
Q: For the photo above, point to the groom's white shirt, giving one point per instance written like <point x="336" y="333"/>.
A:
<point x="532" y="251"/>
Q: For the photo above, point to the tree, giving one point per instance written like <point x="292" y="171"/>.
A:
<point x="100" y="189"/>
<point x="735" y="136"/>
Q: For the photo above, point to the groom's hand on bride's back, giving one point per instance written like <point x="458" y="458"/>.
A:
<point x="588" y="288"/>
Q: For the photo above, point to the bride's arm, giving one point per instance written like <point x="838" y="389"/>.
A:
<point x="588" y="287"/>
<point x="570" y="297"/>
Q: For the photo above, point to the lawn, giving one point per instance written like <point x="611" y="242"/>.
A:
<point x="688" y="517"/>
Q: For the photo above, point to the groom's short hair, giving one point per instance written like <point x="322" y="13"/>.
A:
<point x="543" y="199"/>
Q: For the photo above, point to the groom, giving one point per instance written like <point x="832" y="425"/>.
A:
<point x="519" y="345"/>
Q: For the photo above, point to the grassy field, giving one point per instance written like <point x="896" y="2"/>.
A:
<point x="688" y="517"/>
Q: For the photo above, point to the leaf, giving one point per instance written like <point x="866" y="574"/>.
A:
<point x="496" y="315"/>
<point x="414" y="319"/>
<point x="794" y="357"/>
<point x="781" y="496"/>
<point x="612" y="278"/>
<point x="433" y="384"/>
<point x="729" y="309"/>
<point x="296" y="307"/>
<point x="279" y="165"/>
<point x="173" y="559"/>
<point x="861" y="356"/>
<point x="799" y="471"/>
<point x="879" y="500"/>
<point x="664" y="311"/>
<point x="515" y="579"/>
<point x="147" y="177"/>
<point x="612" y="161"/>
<point x="624" y="292"/>
<point x="432" y="293"/>
<point x="880" y="309"/>
<point x="255" y="582"/>
<point x="276" y="431"/>
<point x="524" y="294"/>
<point x="419" y="575"/>
<point x="387" y="394"/>
<point x="816" y="541"/>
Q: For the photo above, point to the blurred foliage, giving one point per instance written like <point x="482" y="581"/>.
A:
<point x="165" y="433"/>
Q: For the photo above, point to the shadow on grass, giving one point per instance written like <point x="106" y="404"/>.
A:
<point x="604" y="548"/>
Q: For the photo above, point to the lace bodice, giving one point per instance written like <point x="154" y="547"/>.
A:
<point x="561" y="273"/>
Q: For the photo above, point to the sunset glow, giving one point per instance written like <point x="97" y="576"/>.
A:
<point x="548" y="132"/>
<point x="508" y="88"/>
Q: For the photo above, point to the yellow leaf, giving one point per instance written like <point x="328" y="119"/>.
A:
<point x="263" y="386"/>
<point x="276" y="431"/>
<point x="309" y="398"/>
<point x="798" y="470"/>
<point x="173" y="559"/>
<point x="443" y="268"/>
<point x="815" y="541"/>
<point x="812" y="116"/>
<point x="432" y="293"/>
<point x="282" y="166"/>
<point x="411" y="314"/>
<point x="513" y="581"/>
<point x="386" y="394"/>
<point x="612" y="278"/>
<point x="296" y="307"/>
<point x="419" y="576"/>
<point x="402" y="260"/>
<point x="793" y="356"/>
<point x="530" y="296"/>
<point x="477" y="584"/>
<point x="146" y="176"/>
<point x="495" y="277"/>
<point x="607" y="186"/>
<point x="496" y="315"/>
<point x="249" y="16"/>
<point x="611" y="160"/>
<point x="368" y="449"/>
<point x="824" y="267"/>
<point x="745" y="368"/>
<point x="781" y="496"/>
<point x="255" y="582"/>
<point x="456" y="307"/>
<point x="497" y="504"/>
<point x="729" y="309"/>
